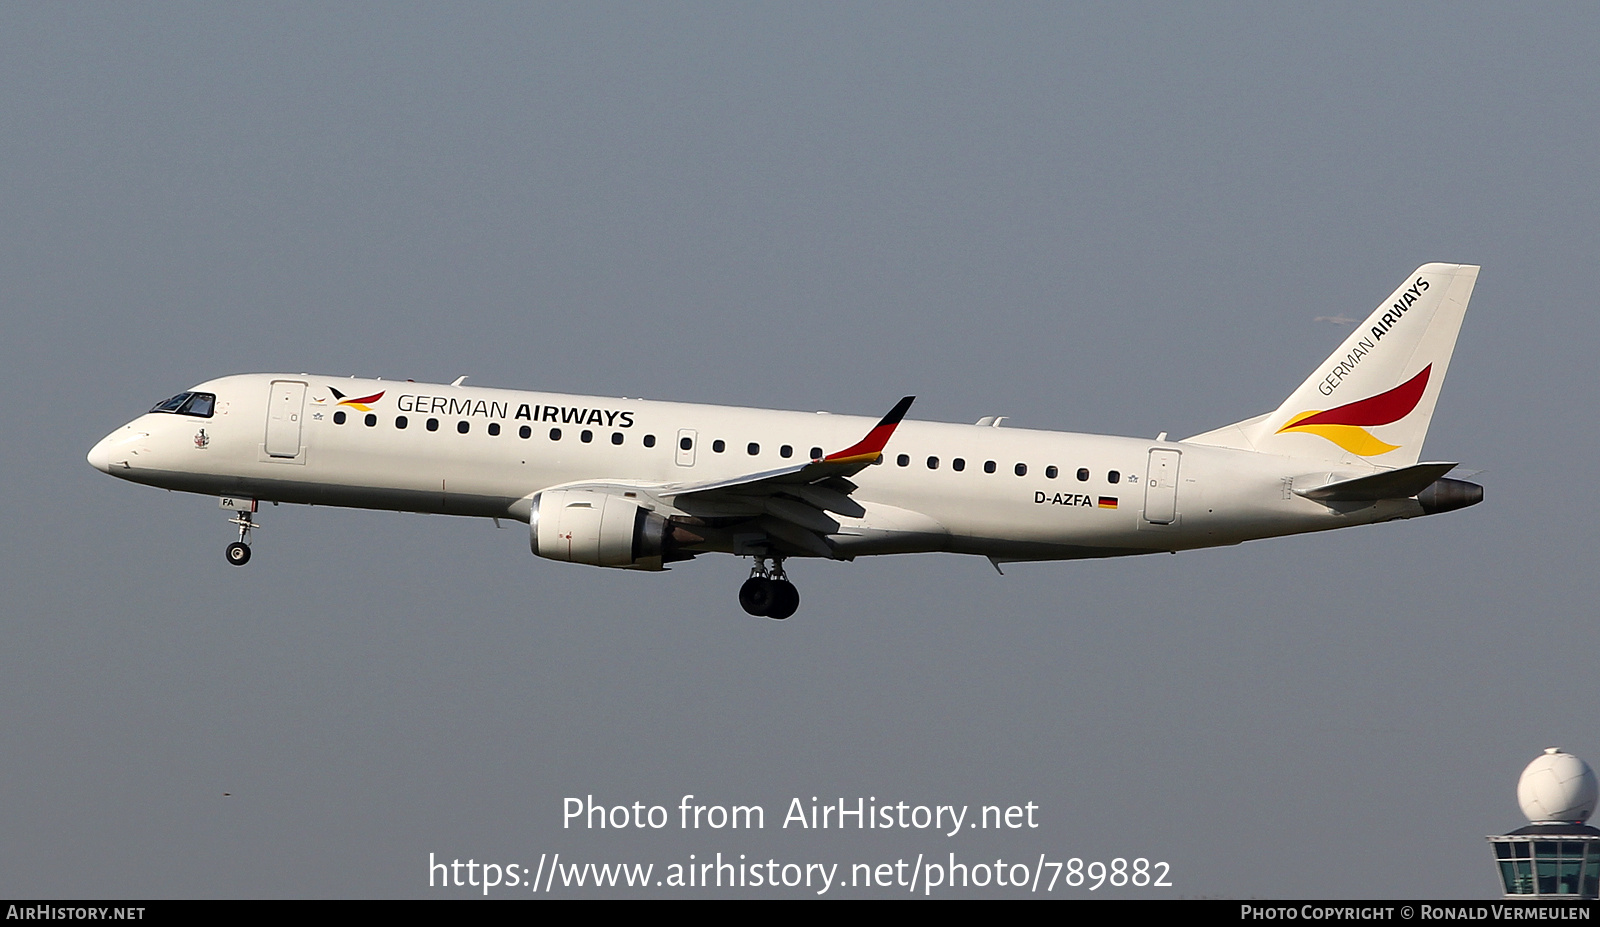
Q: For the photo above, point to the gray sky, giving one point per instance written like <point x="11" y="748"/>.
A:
<point x="1089" y="218"/>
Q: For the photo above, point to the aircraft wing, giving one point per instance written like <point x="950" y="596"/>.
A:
<point x="792" y="504"/>
<point x="847" y="462"/>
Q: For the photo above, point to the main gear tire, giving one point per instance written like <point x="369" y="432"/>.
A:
<point x="785" y="600"/>
<point x="757" y="595"/>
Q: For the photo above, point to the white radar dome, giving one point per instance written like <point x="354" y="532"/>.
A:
<point x="1557" y="787"/>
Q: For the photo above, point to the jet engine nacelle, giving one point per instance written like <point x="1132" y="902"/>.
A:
<point x="598" y="528"/>
<point x="1446" y="495"/>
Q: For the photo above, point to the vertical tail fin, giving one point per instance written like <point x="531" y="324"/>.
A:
<point x="1371" y="400"/>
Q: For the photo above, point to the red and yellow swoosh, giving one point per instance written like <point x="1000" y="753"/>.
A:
<point x="1345" y="425"/>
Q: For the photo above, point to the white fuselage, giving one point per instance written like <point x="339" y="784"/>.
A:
<point x="1076" y="496"/>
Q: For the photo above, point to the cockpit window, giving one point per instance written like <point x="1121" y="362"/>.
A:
<point x="199" y="405"/>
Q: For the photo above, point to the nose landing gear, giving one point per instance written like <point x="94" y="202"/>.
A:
<point x="769" y="592"/>
<point x="239" y="551"/>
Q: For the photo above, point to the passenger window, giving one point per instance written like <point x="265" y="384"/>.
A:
<point x="649" y="440"/>
<point x="988" y="466"/>
<point x="433" y="423"/>
<point x="958" y="464"/>
<point x="494" y="428"/>
<point x="786" y="451"/>
<point x="1083" y="474"/>
<point x="753" y="449"/>
<point x="933" y="463"/>
<point x="1051" y="472"/>
<point x="685" y="443"/>
<point x="1021" y="469"/>
<point x="555" y="434"/>
<point x="718" y="446"/>
<point x="524" y="432"/>
<point x="1114" y="476"/>
<point x="462" y="427"/>
<point x="586" y="436"/>
<point x="816" y="453"/>
<point x="903" y="460"/>
<point x="400" y="422"/>
<point x="338" y="417"/>
<point x="371" y="420"/>
<point x="616" y="437"/>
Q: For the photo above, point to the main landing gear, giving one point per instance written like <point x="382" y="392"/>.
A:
<point x="239" y="551"/>
<point x="769" y="592"/>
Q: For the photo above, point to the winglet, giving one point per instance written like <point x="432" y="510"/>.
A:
<point x="871" y="447"/>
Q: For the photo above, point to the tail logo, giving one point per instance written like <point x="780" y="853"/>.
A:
<point x="359" y="402"/>
<point x="1346" y="425"/>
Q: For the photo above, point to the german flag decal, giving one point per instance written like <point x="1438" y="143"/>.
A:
<point x="1108" y="502"/>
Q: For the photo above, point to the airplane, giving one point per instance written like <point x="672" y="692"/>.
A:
<point x="636" y="484"/>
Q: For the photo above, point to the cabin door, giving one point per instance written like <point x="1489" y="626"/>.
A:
<point x="286" y="406"/>
<point x="1161" y="487"/>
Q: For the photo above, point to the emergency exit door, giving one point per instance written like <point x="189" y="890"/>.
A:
<point x="686" y="439"/>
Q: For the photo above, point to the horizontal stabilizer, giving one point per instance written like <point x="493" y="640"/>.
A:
<point x="1390" y="484"/>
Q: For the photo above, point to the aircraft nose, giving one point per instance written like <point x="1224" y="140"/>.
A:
<point x="100" y="454"/>
<point x="114" y="451"/>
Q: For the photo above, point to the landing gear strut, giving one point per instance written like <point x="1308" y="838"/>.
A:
<point x="239" y="551"/>
<point x="769" y="592"/>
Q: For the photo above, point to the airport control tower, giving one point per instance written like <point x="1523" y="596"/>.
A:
<point x="1558" y="854"/>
